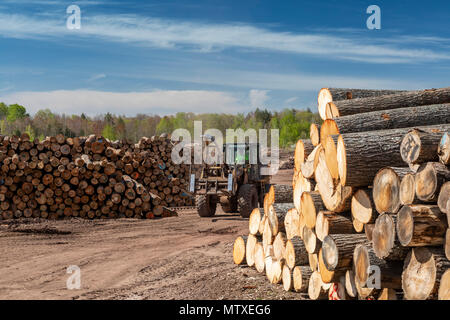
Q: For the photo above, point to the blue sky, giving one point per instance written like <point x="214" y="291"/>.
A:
<point x="162" y="57"/>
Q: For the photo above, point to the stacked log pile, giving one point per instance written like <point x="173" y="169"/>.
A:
<point x="368" y="213"/>
<point x="89" y="177"/>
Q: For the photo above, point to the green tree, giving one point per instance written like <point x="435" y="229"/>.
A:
<point x="16" y="111"/>
<point x="3" y="110"/>
<point x="108" y="132"/>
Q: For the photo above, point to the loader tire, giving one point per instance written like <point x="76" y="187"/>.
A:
<point x="231" y="206"/>
<point x="205" y="207"/>
<point x="247" y="199"/>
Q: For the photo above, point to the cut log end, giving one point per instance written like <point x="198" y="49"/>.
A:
<point x="239" y="250"/>
<point x="254" y="221"/>
<point x="362" y="206"/>
<point x="444" y="286"/>
<point x="386" y="186"/>
<point x="383" y="236"/>
<point x="407" y="189"/>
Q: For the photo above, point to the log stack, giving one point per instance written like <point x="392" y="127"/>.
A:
<point x="370" y="200"/>
<point x="89" y="177"/>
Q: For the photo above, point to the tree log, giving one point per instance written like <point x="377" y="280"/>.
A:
<point x="314" y="130"/>
<point x="292" y="223"/>
<point x="239" y="250"/>
<point x="254" y="221"/>
<point x="429" y="179"/>
<point x="337" y="250"/>
<point x="386" y="189"/>
<point x="394" y="101"/>
<point x="301" y="185"/>
<point x="362" y="206"/>
<point x="327" y="95"/>
<point x="408" y="190"/>
<point x="259" y="257"/>
<point x="301" y="276"/>
<point x="394" y="119"/>
<point x="447" y="244"/>
<point x="279" y="246"/>
<point x="280" y="193"/>
<point x="312" y="243"/>
<point x="419" y="146"/>
<point x="368" y="229"/>
<point x="361" y="155"/>
<point x="309" y="165"/>
<point x="422" y="273"/>
<point x="420" y="225"/>
<point x="444" y="198"/>
<point x="311" y="204"/>
<point x="302" y="149"/>
<point x="332" y="223"/>
<point x="384" y="240"/>
<point x="277" y="213"/>
<point x="250" y="245"/>
<point x="364" y="262"/>
<point x="444" y="286"/>
<point x="315" y="288"/>
<point x="296" y="253"/>
<point x="350" y="286"/>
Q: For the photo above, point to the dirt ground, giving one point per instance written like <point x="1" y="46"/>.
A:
<point x="184" y="257"/>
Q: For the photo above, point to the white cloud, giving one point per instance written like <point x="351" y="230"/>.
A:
<point x="129" y="103"/>
<point x="290" y="100"/>
<point x="209" y="37"/>
<point x="97" y="77"/>
<point x="258" y="98"/>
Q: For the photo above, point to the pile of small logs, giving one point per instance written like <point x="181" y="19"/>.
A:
<point x="368" y="212"/>
<point x="89" y="177"/>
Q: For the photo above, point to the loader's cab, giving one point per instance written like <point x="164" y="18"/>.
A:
<point x="236" y="182"/>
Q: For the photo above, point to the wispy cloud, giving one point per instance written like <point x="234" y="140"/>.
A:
<point x="97" y="77"/>
<point x="174" y="34"/>
<point x="258" y="97"/>
<point x="130" y="103"/>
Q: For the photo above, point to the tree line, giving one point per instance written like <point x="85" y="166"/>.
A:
<point x="14" y="120"/>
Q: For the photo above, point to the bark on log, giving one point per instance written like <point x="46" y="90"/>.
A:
<point x="394" y="119"/>
<point x="419" y="146"/>
<point x="301" y="275"/>
<point x="337" y="250"/>
<point x="276" y="215"/>
<point x="421" y="225"/>
<point x="444" y="149"/>
<point x="429" y="179"/>
<point x="422" y="273"/>
<point x="394" y="101"/>
<point x="296" y="253"/>
<point x="327" y="95"/>
<point x="361" y="155"/>
<point x="333" y="223"/>
<point x="384" y="240"/>
<point x="280" y="193"/>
